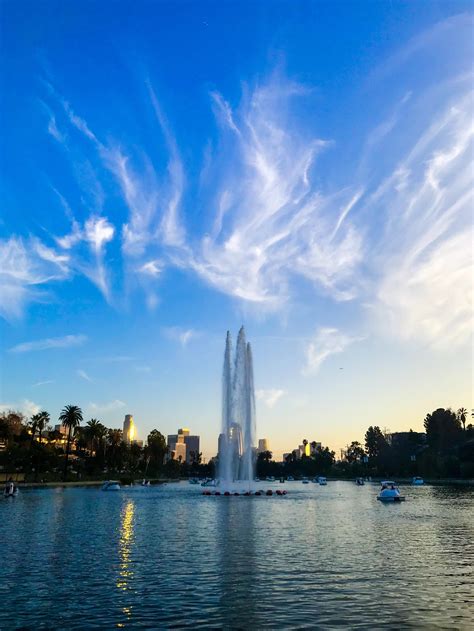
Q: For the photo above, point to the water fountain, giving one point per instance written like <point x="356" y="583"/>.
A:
<point x="237" y="440"/>
<point x="237" y="452"/>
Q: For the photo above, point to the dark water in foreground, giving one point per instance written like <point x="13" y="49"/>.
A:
<point x="321" y="557"/>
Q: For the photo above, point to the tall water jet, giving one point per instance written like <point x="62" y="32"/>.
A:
<point x="237" y="440"/>
<point x="249" y="432"/>
<point x="225" y="455"/>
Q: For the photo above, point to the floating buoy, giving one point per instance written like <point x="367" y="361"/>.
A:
<point x="227" y="494"/>
<point x="216" y="493"/>
<point x="236" y="493"/>
<point x="247" y="493"/>
<point x="284" y="492"/>
<point x="269" y="492"/>
<point x="258" y="493"/>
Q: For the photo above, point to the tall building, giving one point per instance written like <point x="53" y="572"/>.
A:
<point x="263" y="445"/>
<point x="183" y="445"/>
<point x="128" y="429"/>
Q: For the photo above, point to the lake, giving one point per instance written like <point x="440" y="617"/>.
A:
<point x="167" y="557"/>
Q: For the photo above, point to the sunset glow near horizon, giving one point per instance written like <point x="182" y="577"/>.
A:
<point x="174" y="170"/>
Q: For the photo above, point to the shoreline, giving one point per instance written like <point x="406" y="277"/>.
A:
<point x="156" y="482"/>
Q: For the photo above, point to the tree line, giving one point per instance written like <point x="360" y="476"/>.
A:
<point x="87" y="451"/>
<point x="444" y="450"/>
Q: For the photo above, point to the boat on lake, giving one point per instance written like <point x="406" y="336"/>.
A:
<point x="360" y="481"/>
<point x="290" y="478"/>
<point x="111" y="485"/>
<point x="417" y="481"/>
<point x="305" y="480"/>
<point x="270" y="478"/>
<point x="209" y="482"/>
<point x="322" y="481"/>
<point x="390" y="494"/>
<point x="194" y="480"/>
<point x="11" y="490"/>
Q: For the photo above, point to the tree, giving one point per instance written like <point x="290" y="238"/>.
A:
<point x="324" y="458"/>
<point x="378" y="449"/>
<point x="94" y="430"/>
<point x="443" y="429"/>
<point x="195" y="457"/>
<point x="355" y="452"/>
<point x="41" y="422"/>
<point x="156" y="448"/>
<point x="462" y="413"/>
<point x="33" y="425"/>
<point x="70" y="417"/>
<point x="374" y="441"/>
<point x="114" y="438"/>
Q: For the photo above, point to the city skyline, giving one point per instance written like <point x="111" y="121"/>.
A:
<point x="316" y="190"/>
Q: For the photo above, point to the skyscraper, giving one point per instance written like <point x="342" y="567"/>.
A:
<point x="183" y="445"/>
<point x="263" y="445"/>
<point x="128" y="429"/>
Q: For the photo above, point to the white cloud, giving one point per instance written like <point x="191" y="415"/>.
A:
<point x="111" y="406"/>
<point x="26" y="268"/>
<point x="151" y="268"/>
<point x="423" y="262"/>
<point x="269" y="397"/>
<point x="83" y="375"/>
<point x="42" y="383"/>
<point x="183" y="336"/>
<point x="26" y="407"/>
<point x="398" y="243"/>
<point x="67" y="341"/>
<point x="327" y="341"/>
<point x="271" y="222"/>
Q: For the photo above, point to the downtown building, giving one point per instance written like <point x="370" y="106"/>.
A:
<point x="183" y="446"/>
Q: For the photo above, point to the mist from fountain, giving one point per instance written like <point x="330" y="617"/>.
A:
<point x="237" y="440"/>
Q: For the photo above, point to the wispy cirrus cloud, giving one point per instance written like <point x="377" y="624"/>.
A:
<point x="269" y="397"/>
<point x="181" y="335"/>
<point x="327" y="341"/>
<point x="271" y="219"/>
<point x="68" y="341"/>
<point x="83" y="375"/>
<point x="27" y="269"/>
<point x="42" y="383"/>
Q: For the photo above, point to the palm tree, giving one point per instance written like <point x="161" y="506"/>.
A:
<point x="94" y="431"/>
<point x="70" y="417"/>
<point x="462" y="413"/>
<point x="41" y="422"/>
<point x="34" y="426"/>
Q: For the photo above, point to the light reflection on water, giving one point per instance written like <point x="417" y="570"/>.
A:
<point x="164" y="557"/>
<point x="125" y="577"/>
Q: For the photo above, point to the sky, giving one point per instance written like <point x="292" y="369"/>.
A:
<point x="171" y="170"/>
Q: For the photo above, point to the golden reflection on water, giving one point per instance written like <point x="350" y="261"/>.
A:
<point x="125" y="548"/>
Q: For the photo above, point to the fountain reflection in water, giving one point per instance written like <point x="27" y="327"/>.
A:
<point x="237" y="440"/>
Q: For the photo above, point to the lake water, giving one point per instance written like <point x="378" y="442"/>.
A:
<point x="167" y="557"/>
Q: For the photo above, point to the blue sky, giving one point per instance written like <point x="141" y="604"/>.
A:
<point x="171" y="170"/>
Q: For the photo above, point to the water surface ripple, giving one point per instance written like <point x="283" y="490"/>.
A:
<point x="167" y="557"/>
